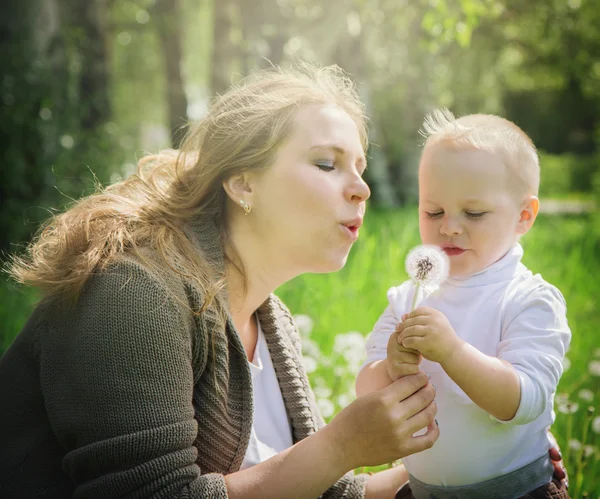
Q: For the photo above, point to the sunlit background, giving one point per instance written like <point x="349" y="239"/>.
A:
<point x="88" y="87"/>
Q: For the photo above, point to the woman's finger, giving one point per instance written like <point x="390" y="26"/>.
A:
<point x="425" y="441"/>
<point x="405" y="387"/>
<point x="422" y="419"/>
<point x="416" y="402"/>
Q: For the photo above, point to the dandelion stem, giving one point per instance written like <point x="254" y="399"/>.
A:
<point x="414" y="301"/>
<point x="580" y="465"/>
<point x="569" y="434"/>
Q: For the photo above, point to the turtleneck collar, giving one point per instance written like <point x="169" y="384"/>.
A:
<point x="502" y="270"/>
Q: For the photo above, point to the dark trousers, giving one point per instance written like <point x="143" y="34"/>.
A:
<point x="552" y="490"/>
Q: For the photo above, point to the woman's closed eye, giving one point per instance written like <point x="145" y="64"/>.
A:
<point x="435" y="214"/>
<point x="326" y="166"/>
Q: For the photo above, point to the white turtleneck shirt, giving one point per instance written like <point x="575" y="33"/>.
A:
<point x="506" y="312"/>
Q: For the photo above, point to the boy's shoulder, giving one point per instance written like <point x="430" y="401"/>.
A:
<point x="528" y="290"/>
<point x="527" y="285"/>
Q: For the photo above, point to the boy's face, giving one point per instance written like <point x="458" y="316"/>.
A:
<point x="468" y="205"/>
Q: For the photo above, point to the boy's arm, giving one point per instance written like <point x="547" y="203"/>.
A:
<point x="372" y="377"/>
<point x="492" y="383"/>
<point x="373" y="374"/>
<point x="534" y="341"/>
<point x="518" y="385"/>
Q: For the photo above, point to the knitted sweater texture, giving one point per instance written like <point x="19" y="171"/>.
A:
<point x="128" y="394"/>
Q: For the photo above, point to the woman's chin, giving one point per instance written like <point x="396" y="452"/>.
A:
<point x="331" y="265"/>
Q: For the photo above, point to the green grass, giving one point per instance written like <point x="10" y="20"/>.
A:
<point x="564" y="250"/>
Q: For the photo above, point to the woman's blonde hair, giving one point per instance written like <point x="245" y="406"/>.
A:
<point x="489" y="133"/>
<point x="241" y="131"/>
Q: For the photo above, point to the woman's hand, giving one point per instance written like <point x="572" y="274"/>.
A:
<point x="560" y="472"/>
<point x="378" y="427"/>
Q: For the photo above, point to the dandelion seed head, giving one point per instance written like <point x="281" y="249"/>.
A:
<point x="594" y="367"/>
<point x="428" y="265"/>
<point x="304" y="323"/>
<point x="587" y="395"/>
<point x="566" y="364"/>
<point x="326" y="407"/>
<point x="310" y="364"/>
<point x="568" y="407"/>
<point x="344" y="400"/>
<point x="574" y="444"/>
<point x="589" y="450"/>
<point x="596" y="424"/>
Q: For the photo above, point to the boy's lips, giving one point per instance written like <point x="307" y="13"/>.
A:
<point x="452" y="249"/>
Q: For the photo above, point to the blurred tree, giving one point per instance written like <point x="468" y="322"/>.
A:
<point x="33" y="93"/>
<point x="224" y="56"/>
<point x="168" y="20"/>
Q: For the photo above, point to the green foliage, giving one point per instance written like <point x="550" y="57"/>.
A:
<point x="567" y="173"/>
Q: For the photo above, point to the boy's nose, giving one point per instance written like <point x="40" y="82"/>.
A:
<point x="450" y="227"/>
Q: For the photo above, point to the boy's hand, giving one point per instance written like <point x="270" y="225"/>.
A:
<point x="428" y="331"/>
<point x="401" y="361"/>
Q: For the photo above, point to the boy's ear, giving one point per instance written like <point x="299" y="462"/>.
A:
<point x="529" y="211"/>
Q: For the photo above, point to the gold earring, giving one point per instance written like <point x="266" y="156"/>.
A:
<point x="246" y="206"/>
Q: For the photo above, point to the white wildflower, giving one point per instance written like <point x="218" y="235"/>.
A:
<point x="596" y="424"/>
<point x="574" y="444"/>
<point x="351" y="346"/>
<point x="344" y="399"/>
<point x="311" y="348"/>
<point x="589" y="450"/>
<point x="594" y="367"/>
<point x="566" y="364"/>
<point x="326" y="407"/>
<point x="323" y="392"/>
<point x="310" y="364"/>
<point x="339" y="371"/>
<point x="587" y="395"/>
<point x="304" y="323"/>
<point x="348" y="341"/>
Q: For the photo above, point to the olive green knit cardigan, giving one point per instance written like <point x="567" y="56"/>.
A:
<point x="125" y="395"/>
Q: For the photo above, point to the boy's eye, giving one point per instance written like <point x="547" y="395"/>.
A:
<point x="326" y="166"/>
<point x="472" y="214"/>
<point x="436" y="214"/>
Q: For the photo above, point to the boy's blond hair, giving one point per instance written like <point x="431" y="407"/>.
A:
<point x="490" y="133"/>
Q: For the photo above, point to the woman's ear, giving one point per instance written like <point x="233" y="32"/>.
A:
<point x="529" y="211"/>
<point x="239" y="188"/>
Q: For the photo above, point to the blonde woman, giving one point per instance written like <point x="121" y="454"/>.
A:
<point x="159" y="363"/>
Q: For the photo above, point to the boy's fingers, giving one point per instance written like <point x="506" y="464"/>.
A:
<point x="417" y="330"/>
<point x="414" y="342"/>
<point x="404" y="356"/>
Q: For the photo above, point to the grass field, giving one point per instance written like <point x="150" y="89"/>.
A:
<point x="336" y="311"/>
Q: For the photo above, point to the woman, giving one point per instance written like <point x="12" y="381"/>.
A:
<point x="160" y="364"/>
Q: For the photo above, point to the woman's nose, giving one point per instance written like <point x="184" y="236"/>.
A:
<point x="358" y="190"/>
